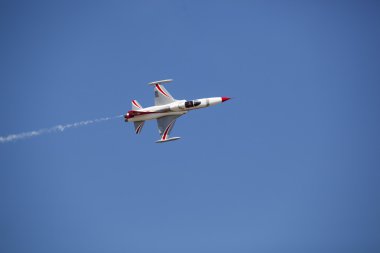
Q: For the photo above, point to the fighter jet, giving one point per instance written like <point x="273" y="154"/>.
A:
<point x="166" y="110"/>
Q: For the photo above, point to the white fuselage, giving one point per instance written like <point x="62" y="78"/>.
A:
<point x="177" y="107"/>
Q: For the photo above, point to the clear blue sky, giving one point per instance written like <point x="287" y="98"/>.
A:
<point x="291" y="164"/>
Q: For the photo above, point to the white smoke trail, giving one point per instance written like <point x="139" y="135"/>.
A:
<point x="58" y="128"/>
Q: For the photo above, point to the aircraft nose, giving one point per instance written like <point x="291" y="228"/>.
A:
<point x="225" y="99"/>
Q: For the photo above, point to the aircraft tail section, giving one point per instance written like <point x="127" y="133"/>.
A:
<point x="138" y="126"/>
<point x="136" y="106"/>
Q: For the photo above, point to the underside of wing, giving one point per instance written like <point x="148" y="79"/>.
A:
<point x="165" y="126"/>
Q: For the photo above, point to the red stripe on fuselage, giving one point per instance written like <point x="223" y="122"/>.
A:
<point x="133" y="113"/>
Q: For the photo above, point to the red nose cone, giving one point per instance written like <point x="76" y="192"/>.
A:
<point x="225" y="99"/>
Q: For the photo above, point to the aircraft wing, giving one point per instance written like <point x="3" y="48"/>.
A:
<point x="161" y="95"/>
<point x="165" y="126"/>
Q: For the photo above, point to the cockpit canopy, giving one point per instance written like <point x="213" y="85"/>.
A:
<point x="192" y="103"/>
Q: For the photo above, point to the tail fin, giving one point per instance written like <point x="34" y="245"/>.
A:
<point x="135" y="105"/>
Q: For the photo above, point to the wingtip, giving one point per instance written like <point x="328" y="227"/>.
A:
<point x="169" y="139"/>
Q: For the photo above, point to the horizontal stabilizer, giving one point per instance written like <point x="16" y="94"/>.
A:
<point x="161" y="82"/>
<point x="138" y="126"/>
<point x="136" y="105"/>
<point x="169" y="139"/>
